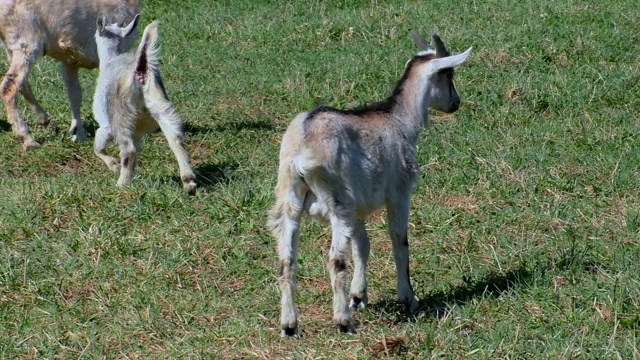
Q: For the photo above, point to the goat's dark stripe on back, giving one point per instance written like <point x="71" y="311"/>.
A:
<point x="385" y="106"/>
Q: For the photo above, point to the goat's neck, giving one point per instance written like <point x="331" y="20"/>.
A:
<point x="106" y="51"/>
<point x="412" y="106"/>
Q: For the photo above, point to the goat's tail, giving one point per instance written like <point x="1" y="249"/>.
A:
<point x="290" y="193"/>
<point x="291" y="189"/>
<point x="148" y="57"/>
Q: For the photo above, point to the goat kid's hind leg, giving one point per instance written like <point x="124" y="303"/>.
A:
<point x="11" y="84"/>
<point x="284" y="221"/>
<point x="170" y="124"/>
<point x="398" y="219"/>
<point x="129" y="148"/>
<point x="342" y="229"/>
<point x="361" y="248"/>
<point x="74" y="93"/>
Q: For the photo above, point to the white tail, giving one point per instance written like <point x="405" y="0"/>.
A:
<point x="148" y="55"/>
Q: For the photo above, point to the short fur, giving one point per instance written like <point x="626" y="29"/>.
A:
<point x="341" y="166"/>
<point x="131" y="101"/>
<point x="63" y="30"/>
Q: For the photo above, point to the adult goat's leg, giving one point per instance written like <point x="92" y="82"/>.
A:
<point x="398" y="219"/>
<point x="43" y="117"/>
<point x="9" y="88"/>
<point x="361" y="248"/>
<point x="74" y="93"/>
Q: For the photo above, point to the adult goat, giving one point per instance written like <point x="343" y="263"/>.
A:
<point x="63" y="30"/>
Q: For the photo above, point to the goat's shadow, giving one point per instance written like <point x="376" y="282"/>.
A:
<point x="5" y="126"/>
<point x="245" y="125"/>
<point x="436" y="305"/>
<point x="231" y="126"/>
<point x="210" y="175"/>
<point x="194" y="129"/>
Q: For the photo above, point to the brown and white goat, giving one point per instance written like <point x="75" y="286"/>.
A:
<point x="131" y="101"/>
<point x="342" y="165"/>
<point x="63" y="30"/>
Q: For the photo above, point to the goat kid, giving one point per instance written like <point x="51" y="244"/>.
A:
<point x="131" y="101"/>
<point x="342" y="165"/>
<point x="62" y="30"/>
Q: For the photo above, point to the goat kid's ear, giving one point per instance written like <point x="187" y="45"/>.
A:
<point x="132" y="26"/>
<point x="100" y="23"/>
<point x="449" y="61"/>
<point x="436" y="42"/>
<point x="419" y="40"/>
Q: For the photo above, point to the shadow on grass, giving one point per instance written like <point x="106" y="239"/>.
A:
<point x="437" y="304"/>
<point x="245" y="125"/>
<point x="5" y="126"/>
<point x="209" y="175"/>
<point x="232" y="126"/>
<point x="193" y="129"/>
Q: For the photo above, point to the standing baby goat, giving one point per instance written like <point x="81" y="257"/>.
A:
<point x="131" y="101"/>
<point x="62" y="30"/>
<point x="342" y="165"/>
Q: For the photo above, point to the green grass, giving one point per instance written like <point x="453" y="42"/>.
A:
<point x="524" y="227"/>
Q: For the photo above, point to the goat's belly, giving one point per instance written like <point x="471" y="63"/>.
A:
<point x="320" y="211"/>
<point x="369" y="203"/>
<point x="145" y="124"/>
<point x="315" y="208"/>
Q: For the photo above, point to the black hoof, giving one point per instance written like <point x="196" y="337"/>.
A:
<point x="346" y="329"/>
<point x="289" y="332"/>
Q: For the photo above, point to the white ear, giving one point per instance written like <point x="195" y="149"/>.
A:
<point x="449" y="61"/>
<point x="132" y="25"/>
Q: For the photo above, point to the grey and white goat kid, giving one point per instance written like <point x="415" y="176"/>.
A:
<point x="342" y="165"/>
<point x="62" y="30"/>
<point x="131" y="101"/>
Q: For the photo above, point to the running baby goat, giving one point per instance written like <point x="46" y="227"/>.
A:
<point x="342" y="165"/>
<point x="131" y="101"/>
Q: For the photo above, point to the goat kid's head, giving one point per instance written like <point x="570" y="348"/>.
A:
<point x="438" y="71"/>
<point x="114" y="34"/>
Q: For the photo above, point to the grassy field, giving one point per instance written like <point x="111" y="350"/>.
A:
<point x="524" y="229"/>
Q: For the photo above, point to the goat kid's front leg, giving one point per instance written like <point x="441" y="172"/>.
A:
<point x="74" y="93"/>
<point x="12" y="83"/>
<point x="398" y="219"/>
<point x="361" y="248"/>
<point x="337" y="266"/>
<point x="170" y="124"/>
<point x="103" y="135"/>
